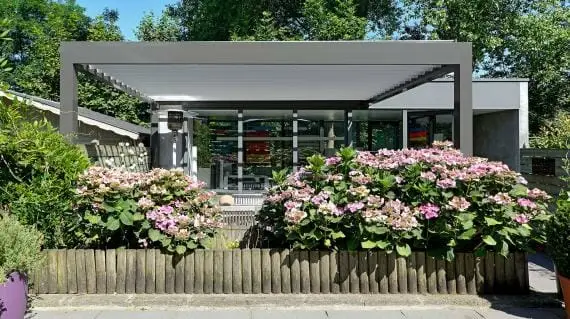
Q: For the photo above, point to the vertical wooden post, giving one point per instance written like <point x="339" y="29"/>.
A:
<point x="71" y="271"/>
<point x="353" y="269"/>
<point x="131" y="276"/>
<point x="295" y="272"/>
<point x="460" y="273"/>
<point x="218" y="271"/>
<point x="334" y="272"/>
<point x="490" y="273"/>
<point x="140" y="285"/>
<point x="265" y="271"/>
<point x="208" y="271"/>
<point x="314" y="272"/>
<point x="421" y="272"/>
<point x="275" y="271"/>
<point x="412" y="274"/>
<point x="111" y="269"/>
<point x="383" y="284"/>
<point x="373" y="272"/>
<point x="62" y="271"/>
<point x="179" y="279"/>
<point x="500" y="280"/>
<point x="363" y="272"/>
<point x="254" y="272"/>
<point x="101" y="277"/>
<point x="189" y="273"/>
<point x="470" y="277"/>
<point x="402" y="275"/>
<point x="324" y="271"/>
<point x="451" y="279"/>
<point x="441" y="276"/>
<point x="431" y="272"/>
<point x="199" y="271"/>
<point x="285" y="271"/>
<point x="392" y="273"/>
<point x="150" y="270"/>
<point x="305" y="273"/>
<point x="81" y="271"/>
<point x="159" y="271"/>
<point x="237" y="278"/>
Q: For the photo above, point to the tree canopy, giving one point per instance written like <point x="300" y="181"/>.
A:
<point x="511" y="38"/>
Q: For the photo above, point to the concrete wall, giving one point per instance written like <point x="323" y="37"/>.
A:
<point x="496" y="136"/>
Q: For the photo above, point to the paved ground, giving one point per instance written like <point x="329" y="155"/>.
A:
<point x="432" y="313"/>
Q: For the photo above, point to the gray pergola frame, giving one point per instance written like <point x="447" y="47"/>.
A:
<point x="446" y="56"/>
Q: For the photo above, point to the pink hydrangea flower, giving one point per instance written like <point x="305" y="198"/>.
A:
<point x="459" y="203"/>
<point x="521" y="219"/>
<point x="292" y="204"/>
<point x="501" y="199"/>
<point x="446" y="183"/>
<point x="145" y="203"/>
<point x="332" y="160"/>
<point x="536" y="193"/>
<point x="294" y="216"/>
<point x="354" y="207"/>
<point x="429" y="176"/>
<point x="525" y="202"/>
<point x="429" y="210"/>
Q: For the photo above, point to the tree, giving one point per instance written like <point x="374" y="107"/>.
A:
<point x="223" y="19"/>
<point x="164" y="28"/>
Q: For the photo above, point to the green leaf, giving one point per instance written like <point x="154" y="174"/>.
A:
<point x="126" y="218"/>
<point x="337" y="235"/>
<point x="518" y="191"/>
<point x="523" y="231"/>
<point x="154" y="235"/>
<point x="138" y="217"/>
<point x="505" y="249"/>
<point x="191" y="245"/>
<point x="404" y="250"/>
<point x="145" y="224"/>
<point x="468" y="234"/>
<point x="376" y="229"/>
<point x="382" y="244"/>
<point x="368" y="244"/>
<point x="112" y="224"/>
<point x="489" y="240"/>
<point x="491" y="221"/>
<point x="165" y="241"/>
<point x="108" y="208"/>
<point x="93" y="219"/>
<point x="180" y="249"/>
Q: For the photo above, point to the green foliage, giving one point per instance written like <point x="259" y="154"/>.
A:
<point x="432" y="199"/>
<point x="161" y="208"/>
<point x="164" y="28"/>
<point x="554" y="134"/>
<point x="222" y="20"/>
<point x="202" y="138"/>
<point x="38" y="168"/>
<point x="558" y="236"/>
<point x="19" y="247"/>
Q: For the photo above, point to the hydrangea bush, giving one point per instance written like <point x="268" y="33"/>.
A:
<point x="431" y="199"/>
<point x="161" y="208"/>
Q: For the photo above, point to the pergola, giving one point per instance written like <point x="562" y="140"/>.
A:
<point x="351" y="75"/>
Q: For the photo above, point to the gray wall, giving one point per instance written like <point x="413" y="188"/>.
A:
<point x="496" y="136"/>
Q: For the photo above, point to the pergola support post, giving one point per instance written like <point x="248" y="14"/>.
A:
<point x="463" y="106"/>
<point x="348" y="128"/>
<point x="68" y="118"/>
<point x="295" y="141"/>
<point x="240" y="158"/>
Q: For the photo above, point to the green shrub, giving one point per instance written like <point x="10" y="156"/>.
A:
<point x="558" y="234"/>
<point x="38" y="170"/>
<point x="161" y="208"/>
<point x="555" y="134"/>
<point x="432" y="199"/>
<point x="19" y="247"/>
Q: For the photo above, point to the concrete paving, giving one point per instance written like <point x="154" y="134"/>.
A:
<point x="425" y="313"/>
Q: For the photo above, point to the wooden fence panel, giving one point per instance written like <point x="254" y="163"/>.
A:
<point x="276" y="271"/>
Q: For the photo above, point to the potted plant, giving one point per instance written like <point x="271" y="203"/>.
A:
<point x="558" y="245"/>
<point x="19" y="254"/>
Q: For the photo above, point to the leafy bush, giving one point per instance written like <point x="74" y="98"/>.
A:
<point x="19" y="247"/>
<point x="555" y="134"/>
<point x="160" y="208"/>
<point x="558" y="237"/>
<point x="38" y="170"/>
<point x="432" y="199"/>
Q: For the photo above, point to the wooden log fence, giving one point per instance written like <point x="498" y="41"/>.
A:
<point x="272" y="271"/>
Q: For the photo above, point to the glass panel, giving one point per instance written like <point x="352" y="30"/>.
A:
<point x="443" y="127"/>
<point x="224" y="146"/>
<point x="419" y="131"/>
<point x="384" y="135"/>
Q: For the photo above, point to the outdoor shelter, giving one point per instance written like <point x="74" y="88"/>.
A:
<point x="265" y="78"/>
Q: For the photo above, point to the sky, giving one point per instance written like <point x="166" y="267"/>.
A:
<point x="130" y="11"/>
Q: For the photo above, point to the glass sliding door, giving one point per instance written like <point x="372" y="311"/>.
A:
<point x="426" y="127"/>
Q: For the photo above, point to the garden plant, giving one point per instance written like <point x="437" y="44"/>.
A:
<point x="433" y="199"/>
<point x="156" y="209"/>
